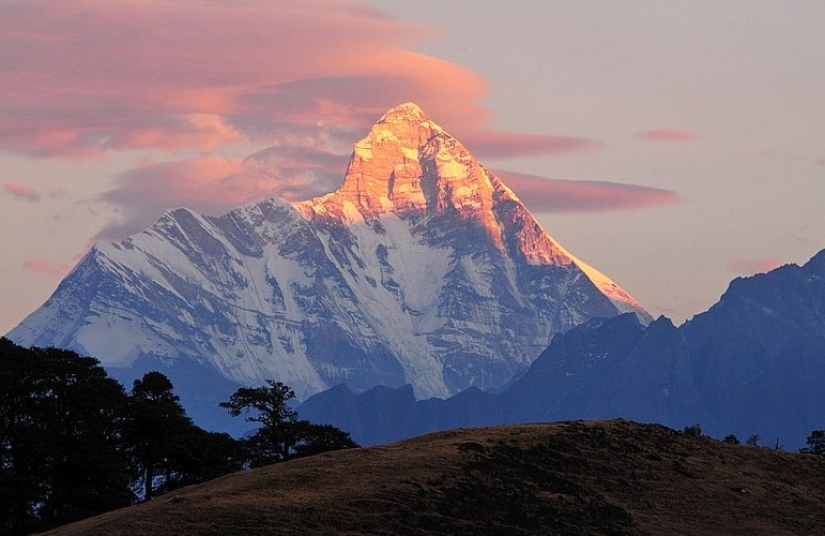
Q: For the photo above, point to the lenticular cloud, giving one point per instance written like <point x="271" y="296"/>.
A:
<point x="541" y="194"/>
<point x="85" y="77"/>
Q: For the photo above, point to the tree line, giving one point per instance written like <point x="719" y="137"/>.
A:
<point x="814" y="444"/>
<point x="74" y="443"/>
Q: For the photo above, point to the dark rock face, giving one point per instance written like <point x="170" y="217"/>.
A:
<point x="752" y="364"/>
<point x="422" y="269"/>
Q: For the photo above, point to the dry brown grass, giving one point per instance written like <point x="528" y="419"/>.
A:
<point x="605" y="477"/>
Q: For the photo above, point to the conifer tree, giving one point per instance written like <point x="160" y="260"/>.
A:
<point x="157" y="424"/>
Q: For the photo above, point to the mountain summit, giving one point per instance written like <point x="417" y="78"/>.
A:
<point x="409" y="165"/>
<point x="422" y="268"/>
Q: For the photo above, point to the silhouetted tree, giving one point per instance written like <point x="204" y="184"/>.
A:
<point x="815" y="443"/>
<point x="73" y="444"/>
<point x="61" y="452"/>
<point x="157" y="425"/>
<point x="168" y="450"/>
<point x="318" y="438"/>
<point x="753" y="440"/>
<point x="198" y="456"/>
<point x="266" y="405"/>
<point x="281" y="435"/>
<point x="732" y="439"/>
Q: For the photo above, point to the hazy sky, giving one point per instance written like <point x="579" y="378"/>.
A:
<point x="674" y="145"/>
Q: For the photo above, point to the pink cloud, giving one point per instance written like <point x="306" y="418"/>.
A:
<point x="491" y="144"/>
<point x="48" y="268"/>
<point x="85" y="77"/>
<point x="21" y="191"/>
<point x="308" y="78"/>
<point x="667" y="134"/>
<point x="541" y="194"/>
<point x="745" y="266"/>
<point x="55" y="269"/>
<point x="214" y="185"/>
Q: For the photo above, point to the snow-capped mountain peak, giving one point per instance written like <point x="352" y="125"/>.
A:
<point x="408" y="163"/>
<point x="422" y="268"/>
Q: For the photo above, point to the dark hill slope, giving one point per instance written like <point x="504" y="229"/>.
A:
<point x="603" y="477"/>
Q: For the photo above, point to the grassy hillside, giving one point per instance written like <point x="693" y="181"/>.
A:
<point x="605" y="477"/>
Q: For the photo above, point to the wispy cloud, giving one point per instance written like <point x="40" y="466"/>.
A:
<point x="90" y="76"/>
<point x="48" y="267"/>
<point x="541" y="194"/>
<point x="667" y="134"/>
<point x="213" y="185"/>
<point x="492" y="144"/>
<point x="745" y="266"/>
<point x="54" y="268"/>
<point x="196" y="77"/>
<point x="84" y="77"/>
<point x="21" y="191"/>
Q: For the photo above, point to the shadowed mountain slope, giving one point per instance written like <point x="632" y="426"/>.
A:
<point x="754" y="363"/>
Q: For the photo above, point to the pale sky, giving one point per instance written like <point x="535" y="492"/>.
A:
<point x="673" y="145"/>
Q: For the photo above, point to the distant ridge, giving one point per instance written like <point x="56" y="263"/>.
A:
<point x="753" y="364"/>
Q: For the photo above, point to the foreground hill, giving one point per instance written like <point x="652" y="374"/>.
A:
<point x="604" y="477"/>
